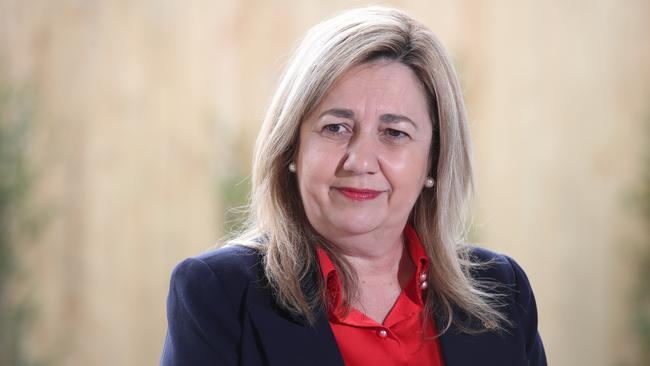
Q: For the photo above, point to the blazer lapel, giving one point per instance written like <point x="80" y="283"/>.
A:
<point x="485" y="349"/>
<point x="458" y="349"/>
<point x="287" y="341"/>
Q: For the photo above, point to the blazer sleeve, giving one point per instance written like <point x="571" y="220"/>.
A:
<point x="203" y="326"/>
<point x="526" y="310"/>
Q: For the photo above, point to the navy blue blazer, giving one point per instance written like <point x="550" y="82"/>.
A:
<point x="220" y="311"/>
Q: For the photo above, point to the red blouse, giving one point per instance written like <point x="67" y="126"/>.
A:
<point x="398" y="341"/>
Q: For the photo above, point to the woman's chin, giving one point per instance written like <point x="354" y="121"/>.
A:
<point x="355" y="225"/>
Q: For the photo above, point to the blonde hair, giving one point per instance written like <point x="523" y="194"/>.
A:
<point x="439" y="216"/>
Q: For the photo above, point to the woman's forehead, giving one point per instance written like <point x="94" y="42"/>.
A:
<point x="382" y="87"/>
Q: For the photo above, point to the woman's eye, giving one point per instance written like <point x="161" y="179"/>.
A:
<point x="395" y="134"/>
<point x="334" y="128"/>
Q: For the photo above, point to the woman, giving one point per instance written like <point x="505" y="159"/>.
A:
<point x="353" y="256"/>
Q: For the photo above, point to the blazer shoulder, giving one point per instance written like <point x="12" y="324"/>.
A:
<point x="232" y="260"/>
<point x="205" y="306"/>
<point x="233" y="267"/>
<point x="504" y="275"/>
<point x="493" y="266"/>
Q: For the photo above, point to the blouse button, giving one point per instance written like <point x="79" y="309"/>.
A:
<point x="383" y="333"/>
<point x="423" y="277"/>
<point x="424" y="285"/>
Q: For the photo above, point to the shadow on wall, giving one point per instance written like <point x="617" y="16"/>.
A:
<point x="641" y="296"/>
<point x="17" y="311"/>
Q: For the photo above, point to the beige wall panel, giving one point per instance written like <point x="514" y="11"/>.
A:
<point x="558" y="110"/>
<point x="144" y="107"/>
<point x="125" y="137"/>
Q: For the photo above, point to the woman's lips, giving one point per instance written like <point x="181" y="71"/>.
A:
<point x="357" y="194"/>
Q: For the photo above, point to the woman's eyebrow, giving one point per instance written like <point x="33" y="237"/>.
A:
<point x="349" y="114"/>
<point x="339" y="112"/>
<point x="392" y="118"/>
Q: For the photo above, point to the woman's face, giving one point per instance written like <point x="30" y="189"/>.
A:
<point x="364" y="151"/>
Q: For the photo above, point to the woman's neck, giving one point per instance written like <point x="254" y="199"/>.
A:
<point x="382" y="266"/>
<point x="373" y="256"/>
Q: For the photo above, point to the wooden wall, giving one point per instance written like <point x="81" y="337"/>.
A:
<point x="144" y="107"/>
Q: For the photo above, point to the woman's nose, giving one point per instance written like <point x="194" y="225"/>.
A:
<point x="362" y="156"/>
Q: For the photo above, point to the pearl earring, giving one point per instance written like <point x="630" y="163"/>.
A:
<point x="429" y="182"/>
<point x="292" y="167"/>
